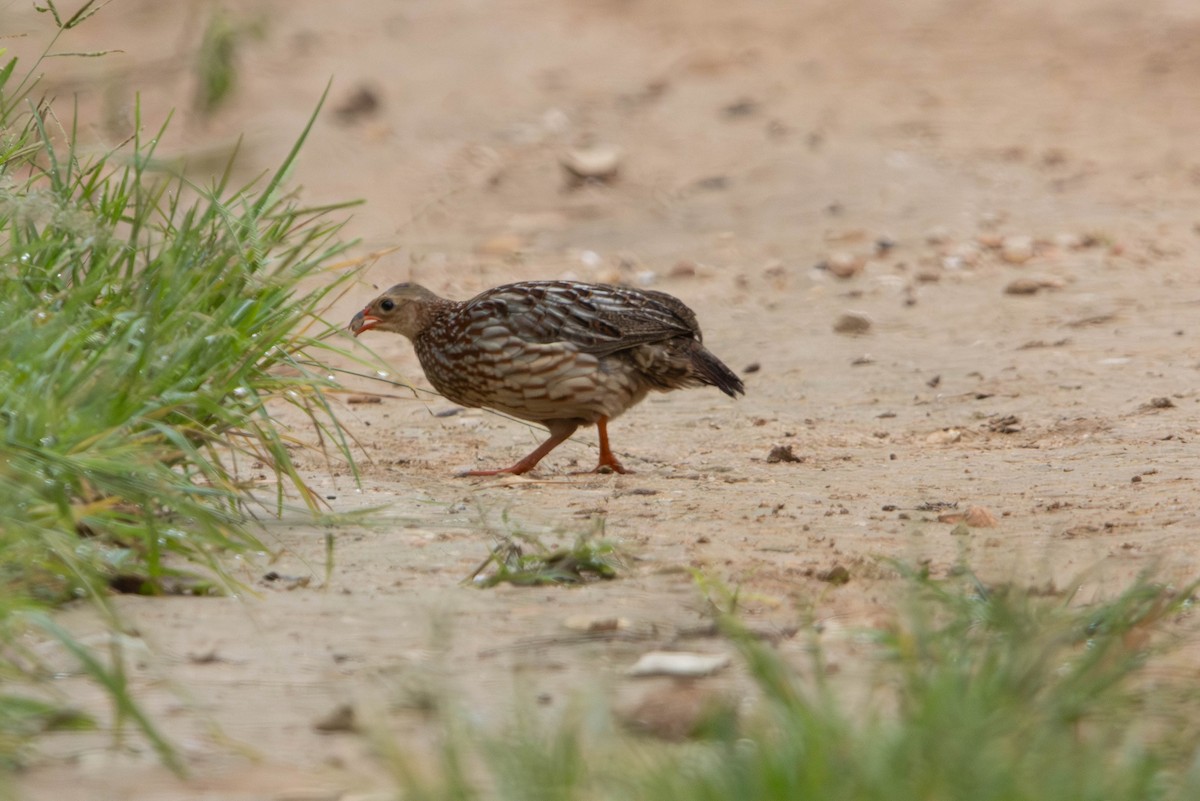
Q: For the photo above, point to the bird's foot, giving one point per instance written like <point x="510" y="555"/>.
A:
<point x="610" y="465"/>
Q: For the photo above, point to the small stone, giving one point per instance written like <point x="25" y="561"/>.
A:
<point x="678" y="711"/>
<point x="595" y="624"/>
<point x="1029" y="286"/>
<point x="363" y="399"/>
<point x="967" y="254"/>
<point x="836" y="575"/>
<point x="752" y="367"/>
<point x="341" y="719"/>
<point x="947" y="436"/>
<point x="1068" y="241"/>
<point x="852" y="323"/>
<point x="678" y="663"/>
<point x="683" y="269"/>
<point x="1017" y="249"/>
<point x="1023" y="286"/>
<point x="979" y="517"/>
<point x="844" y="264"/>
<point x="783" y="453"/>
<point x="362" y="102"/>
<point x="990" y="241"/>
<point x="974" y="516"/>
<point x="598" y="163"/>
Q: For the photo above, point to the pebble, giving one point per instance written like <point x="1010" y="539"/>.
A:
<point x="1023" y="286"/>
<point x="967" y="253"/>
<point x="852" y="323"/>
<point x="946" y="436"/>
<point x="974" y="516"/>
<point x="340" y="718"/>
<point x="1029" y="286"/>
<point x="599" y="163"/>
<point x="678" y="711"/>
<point x="591" y="624"/>
<point x="678" y="663"/>
<point x="1068" y="241"/>
<point x="1017" y="249"/>
<point x="979" y="517"/>
<point x="844" y="264"/>
<point x="783" y="453"/>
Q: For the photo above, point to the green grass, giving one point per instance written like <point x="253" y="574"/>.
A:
<point x="521" y="558"/>
<point x="992" y="694"/>
<point x="149" y="327"/>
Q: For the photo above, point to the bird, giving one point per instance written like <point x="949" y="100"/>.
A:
<point x="562" y="354"/>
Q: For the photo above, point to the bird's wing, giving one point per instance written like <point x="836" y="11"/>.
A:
<point x="595" y="319"/>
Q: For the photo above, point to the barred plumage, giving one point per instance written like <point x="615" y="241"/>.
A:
<point x="560" y="353"/>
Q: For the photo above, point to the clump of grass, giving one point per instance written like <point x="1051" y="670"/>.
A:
<point x="147" y="324"/>
<point x="979" y="694"/>
<point x="521" y="558"/>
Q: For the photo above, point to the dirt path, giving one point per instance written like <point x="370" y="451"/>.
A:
<point x="983" y="144"/>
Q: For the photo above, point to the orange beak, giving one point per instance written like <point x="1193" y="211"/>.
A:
<point x="363" y="322"/>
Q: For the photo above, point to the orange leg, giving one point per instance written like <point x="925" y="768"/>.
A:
<point x="606" y="455"/>
<point x="559" y="431"/>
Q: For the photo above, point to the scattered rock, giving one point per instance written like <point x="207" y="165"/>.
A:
<point x="1022" y="286"/>
<point x="1030" y="286"/>
<point x="946" y="436"/>
<point x="1068" y="241"/>
<point x="979" y="517"/>
<point x="836" y="575"/>
<point x="742" y="107"/>
<point x="974" y="516"/>
<point x="853" y="323"/>
<point x="362" y="102"/>
<point x="364" y="399"/>
<point x="964" y="254"/>
<point x="341" y="719"/>
<point x="1158" y="403"/>
<point x="1017" y="249"/>
<point x="596" y="624"/>
<point x="682" y="710"/>
<point x="783" y="453"/>
<point x="595" y="164"/>
<point x="752" y="367"/>
<point x="1008" y="424"/>
<point x="843" y="264"/>
<point x="678" y="663"/>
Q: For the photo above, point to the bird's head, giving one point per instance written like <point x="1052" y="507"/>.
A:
<point x="404" y="309"/>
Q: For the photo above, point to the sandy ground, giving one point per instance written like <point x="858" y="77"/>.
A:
<point x="984" y="143"/>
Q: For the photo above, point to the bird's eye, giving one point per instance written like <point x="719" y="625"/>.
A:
<point x="387" y="304"/>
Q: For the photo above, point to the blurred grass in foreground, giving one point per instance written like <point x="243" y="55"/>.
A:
<point x="977" y="695"/>
<point x="145" y="323"/>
